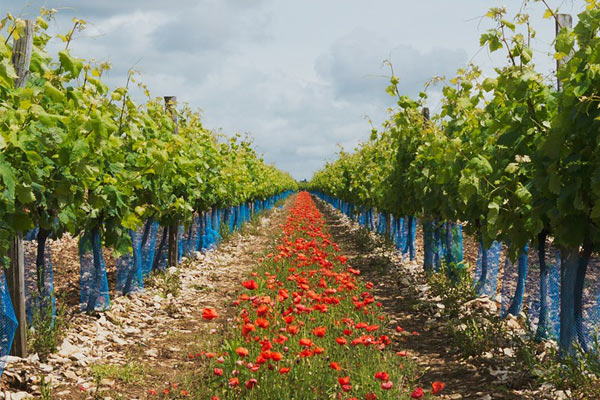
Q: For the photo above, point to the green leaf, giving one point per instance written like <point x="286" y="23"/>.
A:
<point x="493" y="211"/>
<point x="25" y="194"/>
<point x="7" y="73"/>
<point x="70" y="64"/>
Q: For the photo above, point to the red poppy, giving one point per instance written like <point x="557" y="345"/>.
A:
<point x="251" y="284"/>
<point x="341" y="341"/>
<point x="334" y="365"/>
<point x="262" y="309"/>
<point x="319" y="331"/>
<point x="382" y="376"/>
<point x="250" y="383"/>
<point x="218" y="372"/>
<point x="437" y="387"/>
<point x="241" y="351"/>
<point x="387" y="385"/>
<point x="276" y="356"/>
<point x="371" y="396"/>
<point x="247" y="328"/>
<point x="284" y="370"/>
<point x="261" y="323"/>
<point x="233" y="382"/>
<point x="209" y="314"/>
<point x="417" y="393"/>
<point x="344" y="380"/>
<point x="306" y="342"/>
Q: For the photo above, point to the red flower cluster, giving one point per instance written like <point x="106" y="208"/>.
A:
<point x="306" y="288"/>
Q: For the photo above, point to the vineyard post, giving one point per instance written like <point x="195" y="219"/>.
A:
<point x="562" y="21"/>
<point x="570" y="257"/>
<point x="16" y="273"/>
<point x="173" y="252"/>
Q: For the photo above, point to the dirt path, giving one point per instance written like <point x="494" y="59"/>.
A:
<point x="396" y="286"/>
<point x="148" y="341"/>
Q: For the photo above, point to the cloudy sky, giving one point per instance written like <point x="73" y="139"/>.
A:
<point x="300" y="77"/>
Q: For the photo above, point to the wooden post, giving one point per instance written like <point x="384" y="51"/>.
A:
<point x="15" y="276"/>
<point x="173" y="253"/>
<point x="562" y="21"/>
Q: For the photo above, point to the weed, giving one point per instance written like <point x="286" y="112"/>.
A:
<point x="45" y="389"/>
<point x="168" y="282"/>
<point x="132" y="372"/>
<point x="46" y="330"/>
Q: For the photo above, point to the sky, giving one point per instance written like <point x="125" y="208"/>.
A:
<point x="300" y="77"/>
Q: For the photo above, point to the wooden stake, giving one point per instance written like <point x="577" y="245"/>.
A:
<point x="15" y="276"/>
<point x="173" y="254"/>
<point x="562" y="21"/>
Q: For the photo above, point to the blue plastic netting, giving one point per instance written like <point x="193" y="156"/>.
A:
<point x="513" y="284"/>
<point x="486" y="271"/>
<point x="130" y="276"/>
<point x="159" y="262"/>
<point x="94" y="283"/>
<point x="452" y="244"/>
<point x="543" y="300"/>
<point x="8" y="322"/>
<point x="381" y="223"/>
<point x="39" y="275"/>
<point x="432" y="245"/>
<point x="148" y="245"/>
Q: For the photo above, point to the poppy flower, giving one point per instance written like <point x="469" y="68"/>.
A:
<point x="334" y="365"/>
<point x="251" y="285"/>
<point x="209" y="314"/>
<point x="319" y="331"/>
<point x="276" y="356"/>
<point x="284" y="370"/>
<point x="399" y="329"/>
<point x="262" y="309"/>
<point x="306" y="342"/>
<point x="261" y="323"/>
<point x="292" y="329"/>
<point x="417" y="393"/>
<point x="247" y="328"/>
<point x="387" y="385"/>
<point x="250" y="383"/>
<point x="382" y="376"/>
<point x="218" y="372"/>
<point x="344" y="380"/>
<point x="241" y="351"/>
<point x="341" y="341"/>
<point x="233" y="382"/>
<point x="437" y="387"/>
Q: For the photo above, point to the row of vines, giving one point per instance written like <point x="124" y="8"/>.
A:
<point x="509" y="158"/>
<point x="80" y="158"/>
